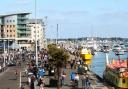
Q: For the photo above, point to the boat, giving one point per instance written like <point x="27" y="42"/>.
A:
<point x="86" y="55"/>
<point x="120" y="52"/>
<point x="116" y="48"/>
<point x="116" y="73"/>
<point x="106" y="49"/>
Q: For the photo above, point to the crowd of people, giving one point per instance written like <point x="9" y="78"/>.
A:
<point x="38" y="74"/>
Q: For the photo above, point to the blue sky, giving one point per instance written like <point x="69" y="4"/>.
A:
<point x="76" y="18"/>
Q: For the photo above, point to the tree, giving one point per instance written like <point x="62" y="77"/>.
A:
<point x="58" y="59"/>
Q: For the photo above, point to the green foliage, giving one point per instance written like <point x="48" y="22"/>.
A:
<point x="58" y="55"/>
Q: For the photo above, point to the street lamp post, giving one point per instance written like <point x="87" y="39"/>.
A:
<point x="4" y="54"/>
<point x="57" y="35"/>
<point x="8" y="47"/>
<point x="36" y="36"/>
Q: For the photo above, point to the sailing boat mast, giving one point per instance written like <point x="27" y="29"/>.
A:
<point x="107" y="60"/>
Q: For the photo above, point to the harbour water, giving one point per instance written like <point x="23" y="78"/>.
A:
<point x="99" y="61"/>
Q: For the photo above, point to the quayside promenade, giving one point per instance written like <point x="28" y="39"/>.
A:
<point x="10" y="81"/>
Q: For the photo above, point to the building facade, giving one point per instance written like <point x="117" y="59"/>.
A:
<point x="37" y="32"/>
<point x="20" y="29"/>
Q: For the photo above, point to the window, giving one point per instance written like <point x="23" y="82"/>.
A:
<point x="10" y="35"/>
<point x="7" y="26"/>
<point x="7" y="30"/>
<point x="13" y="25"/>
<point x="10" y="20"/>
<point x="14" y="30"/>
<point x="7" y="21"/>
<point x="13" y="35"/>
<point x="10" y="30"/>
<point x="7" y="35"/>
<point x="13" y="20"/>
<point x="10" y="25"/>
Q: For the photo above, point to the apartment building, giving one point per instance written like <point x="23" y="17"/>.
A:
<point x="14" y="25"/>
<point x="37" y="28"/>
<point x="20" y="29"/>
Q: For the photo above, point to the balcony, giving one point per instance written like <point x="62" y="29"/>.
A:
<point x="23" y="18"/>
<point x="22" y="27"/>
<point x="21" y="22"/>
<point x="23" y="32"/>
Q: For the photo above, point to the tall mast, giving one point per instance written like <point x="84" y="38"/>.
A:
<point x="107" y="60"/>
<point x="57" y="34"/>
<point x="36" y="36"/>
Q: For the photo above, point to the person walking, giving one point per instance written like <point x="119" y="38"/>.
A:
<point x="76" y="82"/>
<point x="42" y="83"/>
<point x="83" y="77"/>
<point x="16" y="74"/>
<point x="87" y="82"/>
<point x="63" y="77"/>
<point x="32" y="82"/>
<point x="72" y="78"/>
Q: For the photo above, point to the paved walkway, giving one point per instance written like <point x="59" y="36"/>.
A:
<point x="8" y="79"/>
<point x="95" y="83"/>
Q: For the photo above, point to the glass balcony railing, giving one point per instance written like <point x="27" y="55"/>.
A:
<point x="22" y="27"/>
<point x="22" y="18"/>
<point x="23" y="32"/>
<point x="21" y="22"/>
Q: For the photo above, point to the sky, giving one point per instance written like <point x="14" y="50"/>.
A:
<point x="75" y="18"/>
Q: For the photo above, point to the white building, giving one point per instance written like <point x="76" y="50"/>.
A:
<point x="37" y="32"/>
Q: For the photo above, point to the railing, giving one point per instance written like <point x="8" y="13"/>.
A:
<point x="19" y="31"/>
<point x="21" y="22"/>
<point x="22" y="18"/>
<point x="21" y="27"/>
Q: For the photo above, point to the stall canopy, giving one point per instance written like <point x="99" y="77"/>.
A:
<point x="15" y="46"/>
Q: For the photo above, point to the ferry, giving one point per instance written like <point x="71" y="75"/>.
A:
<point x="116" y="73"/>
<point x="86" y="55"/>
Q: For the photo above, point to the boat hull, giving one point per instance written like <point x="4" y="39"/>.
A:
<point x="114" y="79"/>
<point x="86" y="56"/>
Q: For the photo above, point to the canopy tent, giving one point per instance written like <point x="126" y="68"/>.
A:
<point x="15" y="46"/>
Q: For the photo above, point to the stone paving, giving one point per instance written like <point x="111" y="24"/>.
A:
<point x="95" y="83"/>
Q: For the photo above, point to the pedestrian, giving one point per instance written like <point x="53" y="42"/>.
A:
<point x="72" y="76"/>
<point x="83" y="80"/>
<point x="32" y="85"/>
<point x="71" y="65"/>
<point x="41" y="83"/>
<point x="0" y="69"/>
<point x="32" y="82"/>
<point x="76" y="79"/>
<point x="29" y="80"/>
<point x="41" y="72"/>
<point x="87" y="82"/>
<point x="86" y="68"/>
<point x="16" y="74"/>
<point x="63" y="77"/>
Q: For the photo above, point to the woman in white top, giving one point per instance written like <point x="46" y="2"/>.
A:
<point x="76" y="80"/>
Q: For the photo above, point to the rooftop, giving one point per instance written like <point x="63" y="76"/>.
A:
<point x="33" y="21"/>
<point x="14" y="14"/>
